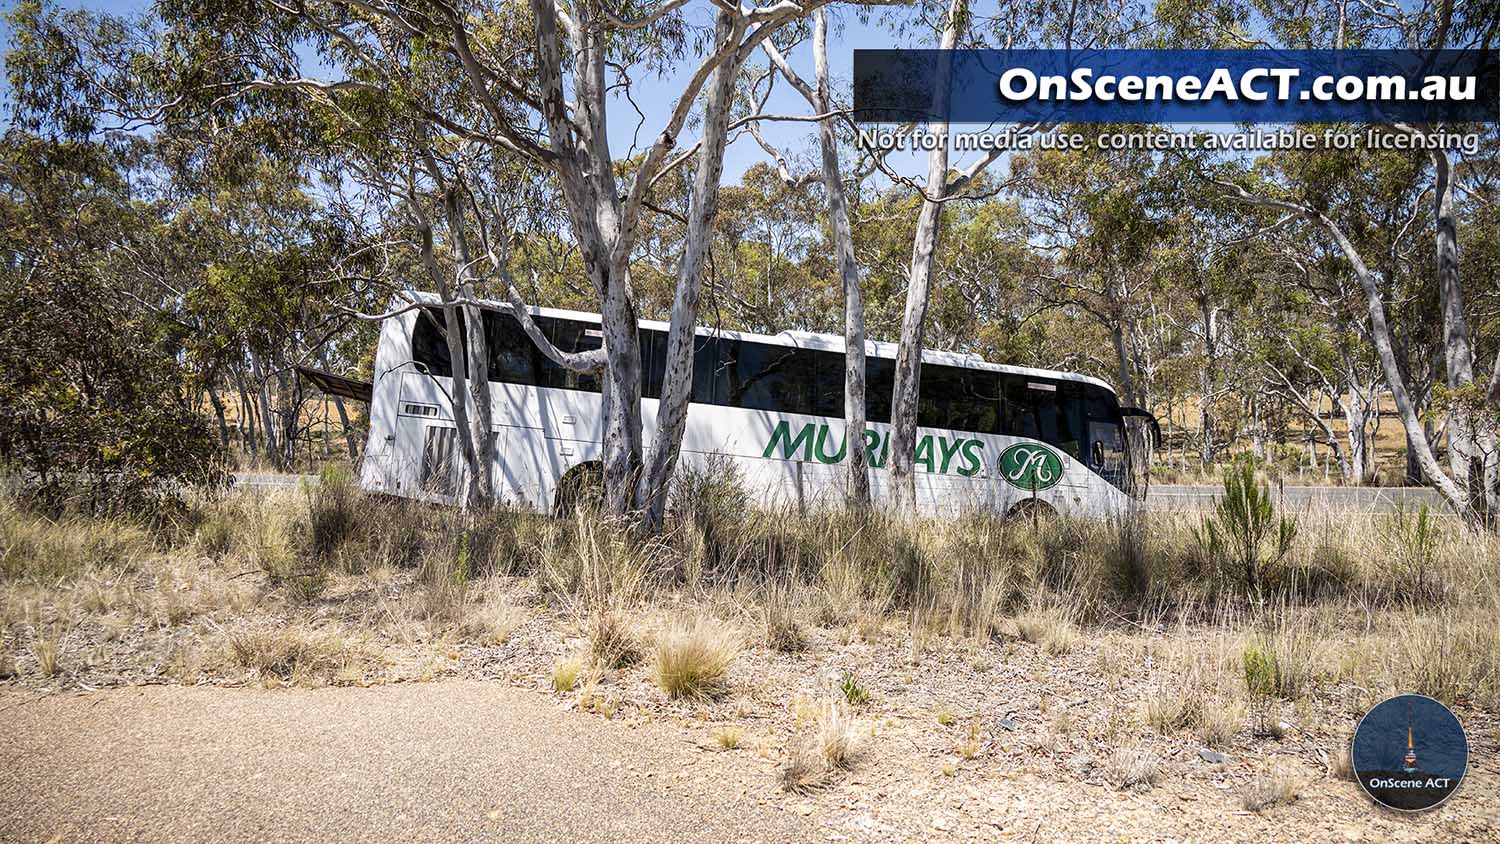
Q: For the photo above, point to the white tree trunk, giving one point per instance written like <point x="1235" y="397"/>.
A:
<point x="677" y="381"/>
<point x="907" y="388"/>
<point x="1458" y="354"/>
<point x="480" y="451"/>
<point x="857" y="487"/>
<point x="1380" y="335"/>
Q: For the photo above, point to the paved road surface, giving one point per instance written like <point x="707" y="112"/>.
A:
<point x="478" y="762"/>
<point x="1161" y="496"/>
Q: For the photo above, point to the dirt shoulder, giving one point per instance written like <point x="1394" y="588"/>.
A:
<point x="451" y="761"/>
<point x="464" y="760"/>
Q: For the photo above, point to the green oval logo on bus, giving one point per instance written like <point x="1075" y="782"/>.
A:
<point x="1030" y="466"/>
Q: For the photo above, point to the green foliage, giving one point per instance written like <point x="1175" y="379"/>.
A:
<point x="1244" y="534"/>
<point x="1260" y="671"/>
<point x="95" y="411"/>
<point x="853" y="692"/>
<point x="1414" y="541"/>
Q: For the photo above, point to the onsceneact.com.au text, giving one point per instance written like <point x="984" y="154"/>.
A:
<point x="1259" y="84"/>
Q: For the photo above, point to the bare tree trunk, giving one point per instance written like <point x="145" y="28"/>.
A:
<point x="1458" y="353"/>
<point x="857" y="477"/>
<point x="857" y="488"/>
<point x="907" y="388"/>
<point x="480" y="454"/>
<point x="267" y="422"/>
<point x="1380" y="335"/>
<point x="1207" y="377"/>
<point x="677" y="380"/>
<point x="213" y="398"/>
<point x="248" y="440"/>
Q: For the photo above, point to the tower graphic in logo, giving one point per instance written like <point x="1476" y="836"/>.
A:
<point x="1385" y="758"/>
<point x="1409" y="763"/>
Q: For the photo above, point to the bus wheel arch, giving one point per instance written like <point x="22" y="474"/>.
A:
<point x="581" y="487"/>
<point x="1032" y="510"/>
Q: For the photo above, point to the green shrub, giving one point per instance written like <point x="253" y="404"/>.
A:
<point x="1414" y="542"/>
<point x="1243" y="534"/>
<point x="855" y="693"/>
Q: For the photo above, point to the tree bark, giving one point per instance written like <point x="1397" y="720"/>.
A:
<point x="907" y="388"/>
<point x="857" y="487"/>
<point x="1458" y="353"/>
<point x="677" y="380"/>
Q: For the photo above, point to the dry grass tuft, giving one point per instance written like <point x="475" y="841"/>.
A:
<point x="299" y="656"/>
<point x="728" y="737"/>
<point x="45" y="652"/>
<point x="1277" y="787"/>
<point x="1219" y="720"/>
<point x="1341" y="764"/>
<point x="1171" y="710"/>
<point x="693" y="658"/>
<point x="565" y="675"/>
<point x="1135" y="768"/>
<point x="612" y="643"/>
<point x="838" y="736"/>
<point x="490" y="622"/>
<point x="41" y="548"/>
<point x="783" y="628"/>
<point x="969" y="747"/>
<point x="1048" y="628"/>
<point x="804" y="771"/>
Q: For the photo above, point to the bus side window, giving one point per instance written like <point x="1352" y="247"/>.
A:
<point x="828" y="384"/>
<point x="767" y="377"/>
<point x="1020" y="417"/>
<point x="975" y="406"/>
<point x="570" y="336"/>
<point x="1046" y="411"/>
<point x="429" y="343"/>
<point x="934" y="393"/>
<point x="513" y="356"/>
<point x="653" y="362"/>
<point x="880" y="380"/>
<point x="708" y="366"/>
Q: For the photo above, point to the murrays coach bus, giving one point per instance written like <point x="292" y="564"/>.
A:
<point x="991" y="437"/>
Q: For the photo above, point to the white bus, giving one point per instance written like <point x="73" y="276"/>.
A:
<point x="991" y="437"/>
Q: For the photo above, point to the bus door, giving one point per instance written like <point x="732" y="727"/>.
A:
<point x="441" y="470"/>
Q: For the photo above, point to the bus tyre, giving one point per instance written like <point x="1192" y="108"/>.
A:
<point x="1032" y="511"/>
<point x="581" y="488"/>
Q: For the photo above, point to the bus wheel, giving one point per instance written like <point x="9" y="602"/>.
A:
<point x="581" y="488"/>
<point x="1032" y="511"/>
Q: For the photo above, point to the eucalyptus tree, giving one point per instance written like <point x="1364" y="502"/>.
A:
<point x="830" y="174"/>
<point x="426" y="99"/>
<point x="1472" y="410"/>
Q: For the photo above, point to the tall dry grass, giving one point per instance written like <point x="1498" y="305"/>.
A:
<point x="1415" y="593"/>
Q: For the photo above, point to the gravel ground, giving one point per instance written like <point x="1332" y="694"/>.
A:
<point x="452" y="761"/>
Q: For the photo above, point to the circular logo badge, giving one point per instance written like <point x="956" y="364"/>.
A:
<point x="1030" y="466"/>
<point x="1410" y="753"/>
